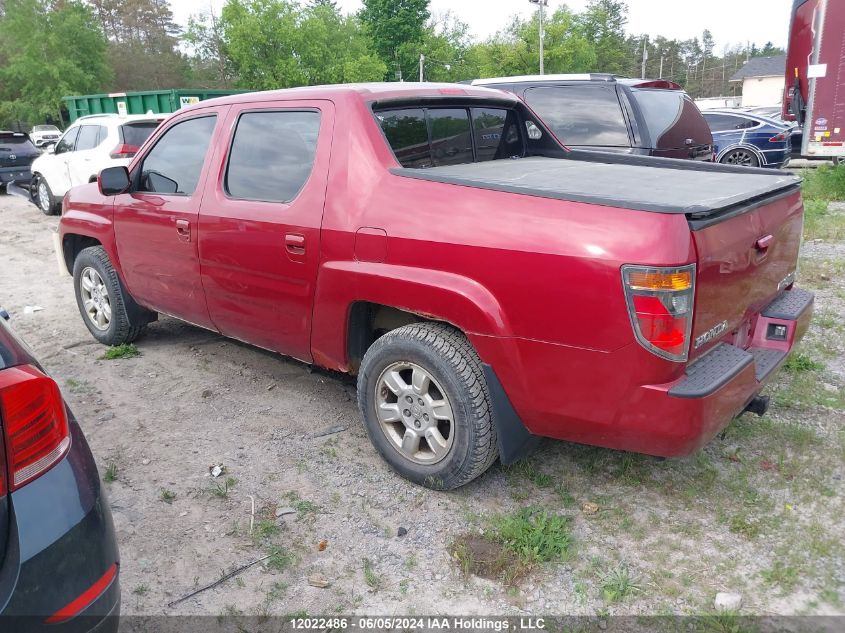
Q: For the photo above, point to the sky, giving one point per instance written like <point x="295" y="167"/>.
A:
<point x="731" y="21"/>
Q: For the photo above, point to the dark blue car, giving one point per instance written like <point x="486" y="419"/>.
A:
<point x="741" y="138"/>
<point x="58" y="555"/>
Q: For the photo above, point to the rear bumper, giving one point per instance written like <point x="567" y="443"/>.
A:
<point x="22" y="173"/>
<point x="601" y="399"/>
<point x="61" y="542"/>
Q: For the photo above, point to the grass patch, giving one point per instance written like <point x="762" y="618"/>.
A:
<point x="221" y="490"/>
<point x="111" y="473"/>
<point x="528" y="469"/>
<point x="266" y="529"/>
<point x="280" y="559"/>
<point x="535" y="535"/>
<point x="374" y="581"/>
<point x="140" y="590"/>
<point x="824" y="183"/>
<point x="168" y="496"/>
<point x="618" y="584"/>
<point x="799" y="362"/>
<point x="126" y="350"/>
<point x="784" y="576"/>
<point x="481" y="556"/>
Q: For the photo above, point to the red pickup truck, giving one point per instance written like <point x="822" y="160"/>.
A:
<point x="486" y="284"/>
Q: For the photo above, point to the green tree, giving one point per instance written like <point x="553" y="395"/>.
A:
<point x="209" y="65"/>
<point x="603" y="25"/>
<point x="393" y="25"/>
<point x="47" y="51"/>
<point x="280" y="44"/>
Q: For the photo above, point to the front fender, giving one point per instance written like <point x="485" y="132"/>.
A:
<point x="440" y="295"/>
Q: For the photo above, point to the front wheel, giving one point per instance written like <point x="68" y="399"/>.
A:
<point x="102" y="300"/>
<point x="43" y="196"/>
<point x="743" y="157"/>
<point x="426" y="406"/>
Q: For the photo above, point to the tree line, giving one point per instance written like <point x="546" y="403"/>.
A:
<point x="53" y="48"/>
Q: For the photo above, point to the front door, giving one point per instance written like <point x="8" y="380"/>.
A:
<point x="259" y="224"/>
<point x="155" y="224"/>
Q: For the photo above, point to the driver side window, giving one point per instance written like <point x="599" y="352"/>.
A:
<point x="67" y="142"/>
<point x="174" y="165"/>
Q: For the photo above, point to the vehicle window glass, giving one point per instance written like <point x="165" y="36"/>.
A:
<point x="272" y="155"/>
<point x="67" y="142"/>
<point x="581" y="115"/>
<point x="136" y="133"/>
<point x="451" y="137"/>
<point x="408" y="136"/>
<point x="672" y="118"/>
<point x="174" y="164"/>
<point x="87" y="138"/>
<point x="19" y="142"/>
<point x="496" y="133"/>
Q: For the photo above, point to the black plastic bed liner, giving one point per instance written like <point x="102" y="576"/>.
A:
<point x="629" y="182"/>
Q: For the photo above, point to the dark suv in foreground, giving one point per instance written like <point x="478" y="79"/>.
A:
<point x="58" y="555"/>
<point x="609" y="113"/>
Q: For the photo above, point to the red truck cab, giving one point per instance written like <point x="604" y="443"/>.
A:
<point x="486" y="285"/>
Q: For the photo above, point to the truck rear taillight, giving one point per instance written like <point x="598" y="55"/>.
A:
<point x="124" y="151"/>
<point x="660" y="304"/>
<point x="35" y="427"/>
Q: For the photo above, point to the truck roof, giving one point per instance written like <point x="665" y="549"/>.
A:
<point x="369" y="92"/>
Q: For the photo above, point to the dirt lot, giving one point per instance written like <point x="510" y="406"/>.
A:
<point x="759" y="512"/>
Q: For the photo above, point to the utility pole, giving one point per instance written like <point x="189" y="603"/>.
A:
<point x="541" y="4"/>
<point x="422" y="67"/>
<point x="645" y="57"/>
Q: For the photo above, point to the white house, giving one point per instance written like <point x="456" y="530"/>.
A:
<point x="762" y="80"/>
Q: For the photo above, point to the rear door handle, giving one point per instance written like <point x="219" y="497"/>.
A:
<point x="764" y="242"/>
<point x="295" y="246"/>
<point x="183" y="229"/>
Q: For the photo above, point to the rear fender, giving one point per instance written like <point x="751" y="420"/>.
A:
<point x="431" y="294"/>
<point x="760" y="157"/>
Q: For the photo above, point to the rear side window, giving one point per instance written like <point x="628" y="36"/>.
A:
<point x="272" y="155"/>
<point x="136" y="133"/>
<point x="87" y="139"/>
<point x="671" y="118"/>
<point x="725" y="122"/>
<point x="174" y="165"/>
<point x="496" y="133"/>
<point x="407" y="134"/>
<point x="426" y="137"/>
<point x="581" y="115"/>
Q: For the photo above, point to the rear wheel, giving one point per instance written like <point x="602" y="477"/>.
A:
<point x="743" y="157"/>
<point x="42" y="195"/>
<point x="426" y="407"/>
<point x="102" y="300"/>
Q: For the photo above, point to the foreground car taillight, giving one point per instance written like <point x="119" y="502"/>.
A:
<point x="124" y="151"/>
<point x="660" y="304"/>
<point x="780" y="137"/>
<point x="35" y="427"/>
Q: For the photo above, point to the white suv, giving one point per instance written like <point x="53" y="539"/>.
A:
<point x="42" y="135"/>
<point x="88" y="146"/>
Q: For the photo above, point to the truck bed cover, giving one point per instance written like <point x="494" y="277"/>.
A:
<point x="628" y="182"/>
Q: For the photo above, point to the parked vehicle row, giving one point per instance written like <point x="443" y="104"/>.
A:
<point x="486" y="284"/>
<point x="89" y="145"/>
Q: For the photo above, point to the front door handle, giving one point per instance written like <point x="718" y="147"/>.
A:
<point x="183" y="230"/>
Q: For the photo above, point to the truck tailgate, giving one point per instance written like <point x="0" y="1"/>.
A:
<point x="744" y="261"/>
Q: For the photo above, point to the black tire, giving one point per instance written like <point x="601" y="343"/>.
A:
<point x="449" y="358"/>
<point x="48" y="204"/>
<point x="120" y="327"/>
<point x="740" y="157"/>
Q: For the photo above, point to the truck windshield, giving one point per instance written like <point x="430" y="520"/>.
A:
<point x="430" y="137"/>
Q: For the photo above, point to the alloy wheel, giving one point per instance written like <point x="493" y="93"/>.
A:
<point x="43" y="196"/>
<point x="414" y="413"/>
<point x="95" y="298"/>
<point x="740" y="157"/>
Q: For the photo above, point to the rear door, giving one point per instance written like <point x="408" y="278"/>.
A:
<point x="743" y="263"/>
<point x="54" y="167"/>
<point x="80" y="162"/>
<point x="674" y="124"/>
<point x="155" y="224"/>
<point x="259" y="231"/>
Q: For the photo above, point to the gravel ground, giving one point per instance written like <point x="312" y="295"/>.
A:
<point x="290" y="439"/>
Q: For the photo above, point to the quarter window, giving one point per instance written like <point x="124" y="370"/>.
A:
<point x="496" y="133"/>
<point x="408" y="136"/>
<point x="174" y="165"/>
<point x="451" y="139"/>
<point x="272" y="155"/>
<point x="581" y="115"/>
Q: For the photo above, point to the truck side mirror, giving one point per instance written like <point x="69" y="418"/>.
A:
<point x="113" y="181"/>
